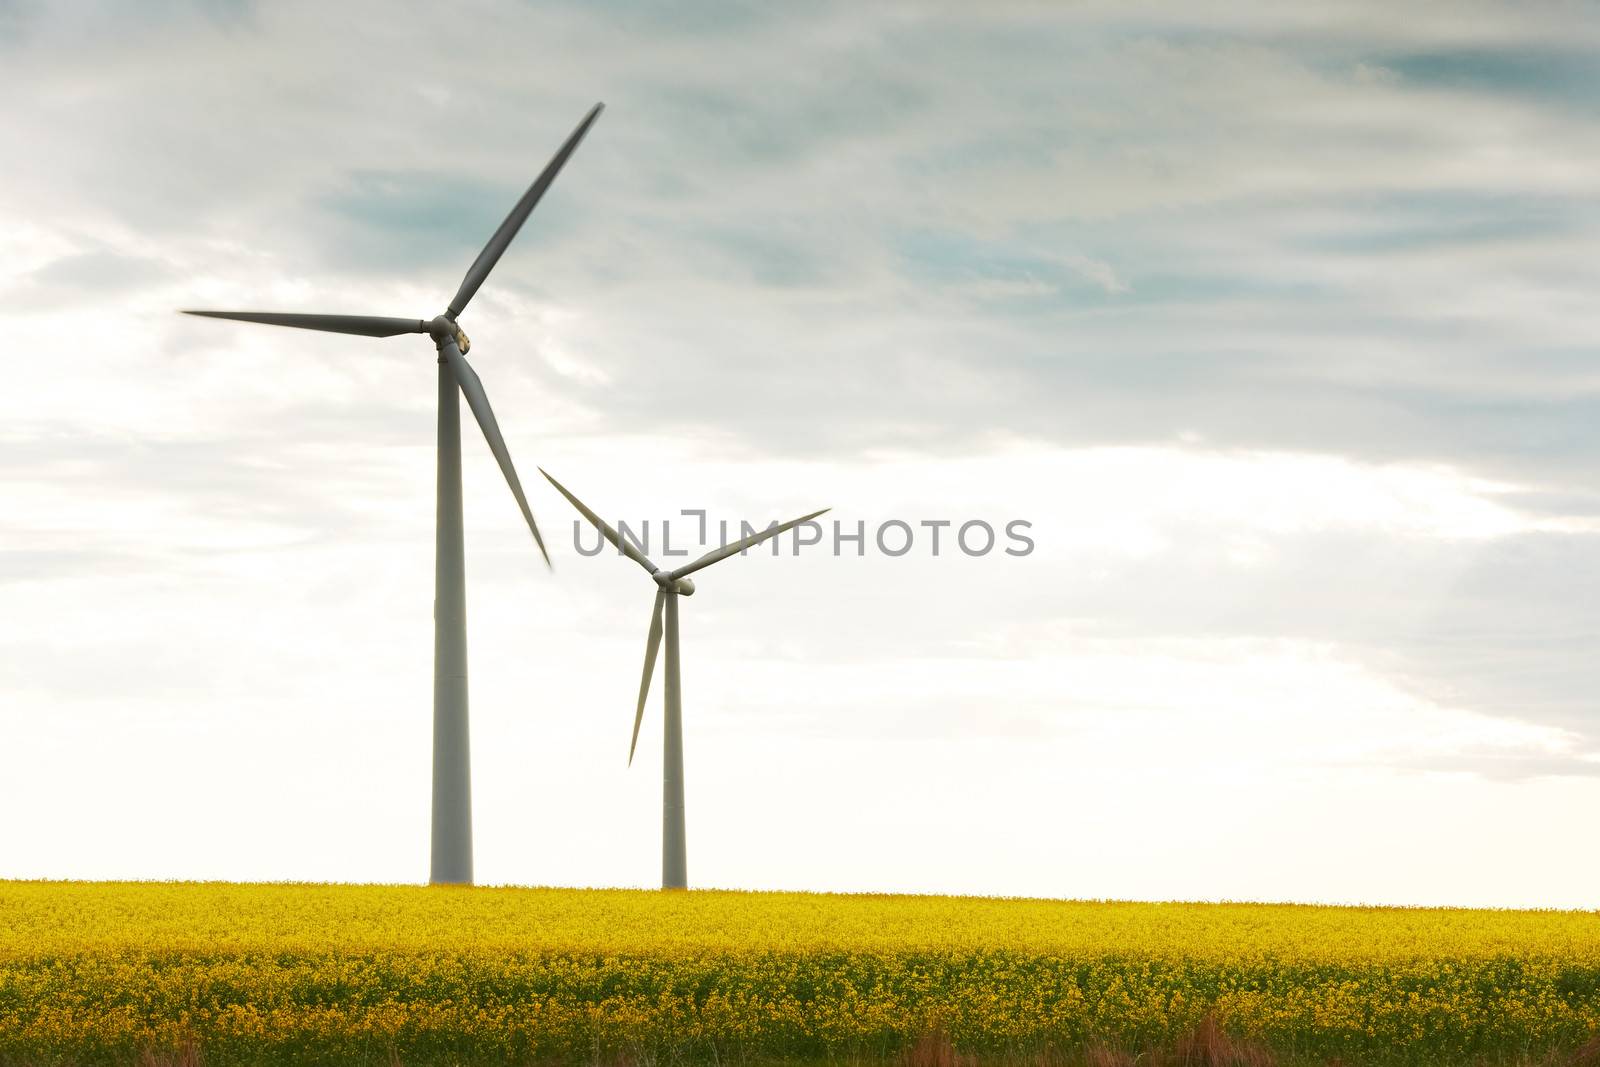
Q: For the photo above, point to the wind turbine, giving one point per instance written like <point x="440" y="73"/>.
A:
<point x="451" y="860"/>
<point x="670" y="585"/>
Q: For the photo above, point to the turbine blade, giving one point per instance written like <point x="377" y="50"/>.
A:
<point x="364" y="325"/>
<point x="508" y="229"/>
<point x="478" y="401"/>
<point x="652" y="645"/>
<point x="623" y="545"/>
<point x="748" y="542"/>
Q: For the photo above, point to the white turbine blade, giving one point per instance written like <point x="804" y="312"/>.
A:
<point x="622" y="544"/>
<point x="362" y="325"/>
<point x="741" y="545"/>
<point x="651" y="647"/>
<point x="478" y="401"/>
<point x="501" y="239"/>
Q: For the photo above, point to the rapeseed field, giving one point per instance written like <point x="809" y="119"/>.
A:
<point x="94" y="973"/>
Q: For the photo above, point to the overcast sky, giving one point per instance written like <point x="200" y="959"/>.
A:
<point x="1279" y="328"/>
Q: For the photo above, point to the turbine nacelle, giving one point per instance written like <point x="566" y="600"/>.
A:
<point x="444" y="328"/>
<point x="669" y="584"/>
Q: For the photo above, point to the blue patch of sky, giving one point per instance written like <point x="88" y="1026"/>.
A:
<point x="992" y="150"/>
<point x="768" y="257"/>
<point x="411" y="216"/>
<point x="665" y="16"/>
<point x="944" y="257"/>
<point x="1555" y="428"/>
<point x="757" y="125"/>
<point x="24" y="21"/>
<point x="728" y="123"/>
<point x="1413" y="220"/>
<point x="1042" y="279"/>
<point x="17" y="18"/>
<point x="1570" y="79"/>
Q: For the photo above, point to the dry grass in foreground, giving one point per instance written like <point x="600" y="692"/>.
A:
<point x="1206" y="1045"/>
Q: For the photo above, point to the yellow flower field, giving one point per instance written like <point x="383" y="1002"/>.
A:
<point x="310" y="974"/>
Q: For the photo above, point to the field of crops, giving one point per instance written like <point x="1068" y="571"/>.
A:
<point x="109" y="973"/>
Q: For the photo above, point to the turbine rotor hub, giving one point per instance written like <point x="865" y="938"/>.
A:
<point x="682" y="586"/>
<point x="444" y="328"/>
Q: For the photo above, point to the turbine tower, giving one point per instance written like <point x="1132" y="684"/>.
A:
<point x="670" y="585"/>
<point x="451" y="838"/>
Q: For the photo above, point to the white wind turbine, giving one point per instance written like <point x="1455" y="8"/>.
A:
<point x="451" y="839"/>
<point x="670" y="585"/>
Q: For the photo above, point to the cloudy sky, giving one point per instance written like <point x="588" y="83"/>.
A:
<point x="1277" y="326"/>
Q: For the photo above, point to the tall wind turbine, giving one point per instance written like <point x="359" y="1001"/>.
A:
<point x="670" y="585"/>
<point x="452" y="766"/>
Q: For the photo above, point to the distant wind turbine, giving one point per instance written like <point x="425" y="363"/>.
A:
<point x="670" y="585"/>
<point x="451" y="860"/>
